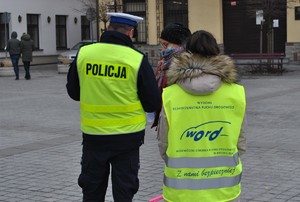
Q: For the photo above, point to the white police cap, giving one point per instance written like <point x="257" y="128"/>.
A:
<point x="124" y="18"/>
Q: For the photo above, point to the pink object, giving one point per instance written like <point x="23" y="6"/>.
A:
<point x="156" y="199"/>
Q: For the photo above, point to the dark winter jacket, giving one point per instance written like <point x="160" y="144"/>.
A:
<point x="13" y="44"/>
<point x="147" y="92"/>
<point x="27" y="46"/>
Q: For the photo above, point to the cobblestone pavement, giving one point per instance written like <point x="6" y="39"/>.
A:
<point x="40" y="141"/>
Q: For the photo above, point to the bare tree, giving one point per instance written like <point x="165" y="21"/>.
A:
<point x="272" y="9"/>
<point x="103" y="14"/>
<point x="97" y="11"/>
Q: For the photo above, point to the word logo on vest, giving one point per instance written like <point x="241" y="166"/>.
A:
<point x="110" y="71"/>
<point x="209" y="130"/>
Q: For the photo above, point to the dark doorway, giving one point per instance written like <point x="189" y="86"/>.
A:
<point x="242" y="34"/>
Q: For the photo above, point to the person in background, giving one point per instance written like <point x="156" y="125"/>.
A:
<point x="115" y="85"/>
<point x="172" y="41"/>
<point x="14" y="49"/>
<point x="27" y="46"/>
<point x="201" y="133"/>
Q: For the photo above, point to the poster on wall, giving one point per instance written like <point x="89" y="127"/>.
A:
<point x="259" y="17"/>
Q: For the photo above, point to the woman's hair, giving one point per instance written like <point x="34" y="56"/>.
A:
<point x="203" y="43"/>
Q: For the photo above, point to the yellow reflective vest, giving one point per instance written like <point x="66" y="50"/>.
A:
<point x="109" y="102"/>
<point x="202" y="157"/>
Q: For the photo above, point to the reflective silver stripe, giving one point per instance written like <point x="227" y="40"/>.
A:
<point x="205" y="162"/>
<point x="200" y="184"/>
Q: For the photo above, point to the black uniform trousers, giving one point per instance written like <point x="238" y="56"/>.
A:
<point x="95" y="171"/>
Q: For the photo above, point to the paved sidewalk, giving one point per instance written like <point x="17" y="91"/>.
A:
<point x="40" y="141"/>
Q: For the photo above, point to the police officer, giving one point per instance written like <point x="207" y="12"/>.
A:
<point x="115" y="85"/>
<point x="200" y="131"/>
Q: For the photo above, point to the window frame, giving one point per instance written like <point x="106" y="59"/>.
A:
<point x="85" y="28"/>
<point x="173" y="15"/>
<point x="2" y="33"/>
<point x="141" y="31"/>
<point x="61" y="42"/>
<point x="33" y="29"/>
<point x="297" y="12"/>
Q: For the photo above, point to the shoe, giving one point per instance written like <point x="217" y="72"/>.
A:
<point x="17" y="78"/>
<point x="28" y="77"/>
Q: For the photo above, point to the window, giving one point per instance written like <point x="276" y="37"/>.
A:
<point x="33" y="29"/>
<point x="85" y="28"/>
<point x="297" y="13"/>
<point x="138" y="8"/>
<point x="176" y="11"/>
<point x="61" y="31"/>
<point x="4" y="30"/>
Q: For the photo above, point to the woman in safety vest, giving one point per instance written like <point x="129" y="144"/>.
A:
<point x="200" y="131"/>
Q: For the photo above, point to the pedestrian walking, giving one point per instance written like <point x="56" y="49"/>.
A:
<point x="27" y="47"/>
<point x="115" y="85"/>
<point x="14" y="49"/>
<point x="200" y="133"/>
<point x="172" y="41"/>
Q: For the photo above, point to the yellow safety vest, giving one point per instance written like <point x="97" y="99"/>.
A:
<point x="109" y="102"/>
<point x="202" y="157"/>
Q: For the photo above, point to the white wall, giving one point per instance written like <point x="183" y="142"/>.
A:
<point x="47" y="31"/>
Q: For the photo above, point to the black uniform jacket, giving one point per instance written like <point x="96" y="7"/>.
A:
<point x="147" y="91"/>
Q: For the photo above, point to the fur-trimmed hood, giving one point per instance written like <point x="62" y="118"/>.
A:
<point x="201" y="75"/>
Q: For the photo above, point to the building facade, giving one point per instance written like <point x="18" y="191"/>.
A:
<point x="234" y="26"/>
<point x="56" y="25"/>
